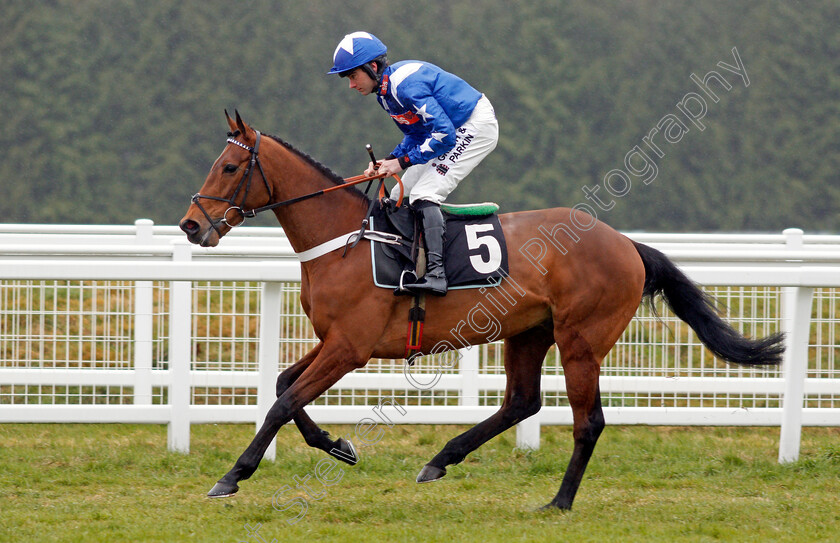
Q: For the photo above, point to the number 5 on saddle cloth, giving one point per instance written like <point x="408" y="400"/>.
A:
<point x="475" y="254"/>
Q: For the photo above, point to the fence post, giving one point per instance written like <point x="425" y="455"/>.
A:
<point x="180" y="356"/>
<point x="468" y="370"/>
<point x="143" y="308"/>
<point x="796" y="322"/>
<point x="269" y="355"/>
<point x="528" y="433"/>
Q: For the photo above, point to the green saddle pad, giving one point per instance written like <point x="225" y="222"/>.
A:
<point x="484" y="208"/>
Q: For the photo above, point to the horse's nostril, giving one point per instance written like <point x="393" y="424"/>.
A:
<point x="189" y="227"/>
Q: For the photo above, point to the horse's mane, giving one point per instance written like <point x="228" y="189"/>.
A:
<point x="328" y="173"/>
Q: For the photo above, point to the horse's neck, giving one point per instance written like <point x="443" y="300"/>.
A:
<point x="318" y="219"/>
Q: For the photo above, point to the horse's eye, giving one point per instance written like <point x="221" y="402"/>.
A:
<point x="230" y="168"/>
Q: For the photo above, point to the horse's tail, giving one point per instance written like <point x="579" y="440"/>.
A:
<point x="697" y="308"/>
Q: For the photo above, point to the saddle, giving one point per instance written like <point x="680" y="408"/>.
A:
<point x="475" y="254"/>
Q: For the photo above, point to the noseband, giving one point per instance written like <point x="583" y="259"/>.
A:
<point x="245" y="183"/>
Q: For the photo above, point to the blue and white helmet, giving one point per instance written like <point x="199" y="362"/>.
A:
<point x="356" y="49"/>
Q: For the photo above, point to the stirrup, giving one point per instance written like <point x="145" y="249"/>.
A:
<point x="424" y="286"/>
<point x="401" y="290"/>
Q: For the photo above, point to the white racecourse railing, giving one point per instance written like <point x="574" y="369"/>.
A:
<point x="133" y="324"/>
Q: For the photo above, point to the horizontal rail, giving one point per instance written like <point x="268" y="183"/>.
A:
<point x="126" y="230"/>
<point x="106" y="270"/>
<point x="92" y="251"/>
<point x="791" y="274"/>
<point x="398" y="381"/>
<point x="143" y="251"/>
<point x="325" y="414"/>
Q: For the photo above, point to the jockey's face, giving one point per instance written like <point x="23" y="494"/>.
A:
<point x="361" y="81"/>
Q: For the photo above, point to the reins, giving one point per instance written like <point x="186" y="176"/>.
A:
<point x="246" y="182"/>
<point x="348" y="182"/>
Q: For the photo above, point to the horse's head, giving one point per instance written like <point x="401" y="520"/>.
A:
<point x="236" y="184"/>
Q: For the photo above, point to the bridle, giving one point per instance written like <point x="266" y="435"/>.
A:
<point x="246" y="183"/>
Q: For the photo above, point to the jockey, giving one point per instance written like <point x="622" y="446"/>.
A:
<point x="448" y="127"/>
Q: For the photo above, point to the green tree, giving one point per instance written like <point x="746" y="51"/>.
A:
<point x="113" y="110"/>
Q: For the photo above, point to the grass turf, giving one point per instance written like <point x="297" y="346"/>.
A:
<point x="118" y="483"/>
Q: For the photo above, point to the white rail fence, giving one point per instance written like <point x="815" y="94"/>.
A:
<point x="133" y="324"/>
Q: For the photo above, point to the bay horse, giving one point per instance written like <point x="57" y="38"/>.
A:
<point x="578" y="291"/>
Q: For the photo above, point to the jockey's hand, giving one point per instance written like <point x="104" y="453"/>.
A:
<point x="371" y="169"/>
<point x="389" y="167"/>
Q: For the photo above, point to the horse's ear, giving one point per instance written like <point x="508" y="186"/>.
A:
<point x="240" y="123"/>
<point x="231" y="122"/>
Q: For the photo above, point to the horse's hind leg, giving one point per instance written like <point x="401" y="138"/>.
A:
<point x="581" y="369"/>
<point x="314" y="436"/>
<point x="524" y="354"/>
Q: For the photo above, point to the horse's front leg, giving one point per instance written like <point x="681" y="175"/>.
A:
<point x="314" y="436"/>
<point x="331" y="363"/>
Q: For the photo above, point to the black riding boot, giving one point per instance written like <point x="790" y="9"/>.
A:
<point x="434" y="230"/>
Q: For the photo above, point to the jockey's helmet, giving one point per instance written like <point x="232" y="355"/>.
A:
<point x="356" y="50"/>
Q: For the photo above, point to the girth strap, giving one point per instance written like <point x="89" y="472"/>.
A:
<point x="414" y="337"/>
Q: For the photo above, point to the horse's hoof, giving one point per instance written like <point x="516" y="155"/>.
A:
<point x="222" y="490"/>
<point x="430" y="473"/>
<point x="553" y="507"/>
<point x="345" y="451"/>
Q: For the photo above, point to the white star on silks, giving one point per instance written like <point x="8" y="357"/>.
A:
<point x="347" y="42"/>
<point x="422" y="112"/>
<point x="435" y="135"/>
<point x="426" y="148"/>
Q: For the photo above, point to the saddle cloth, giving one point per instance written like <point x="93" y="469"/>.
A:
<point x="475" y="253"/>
